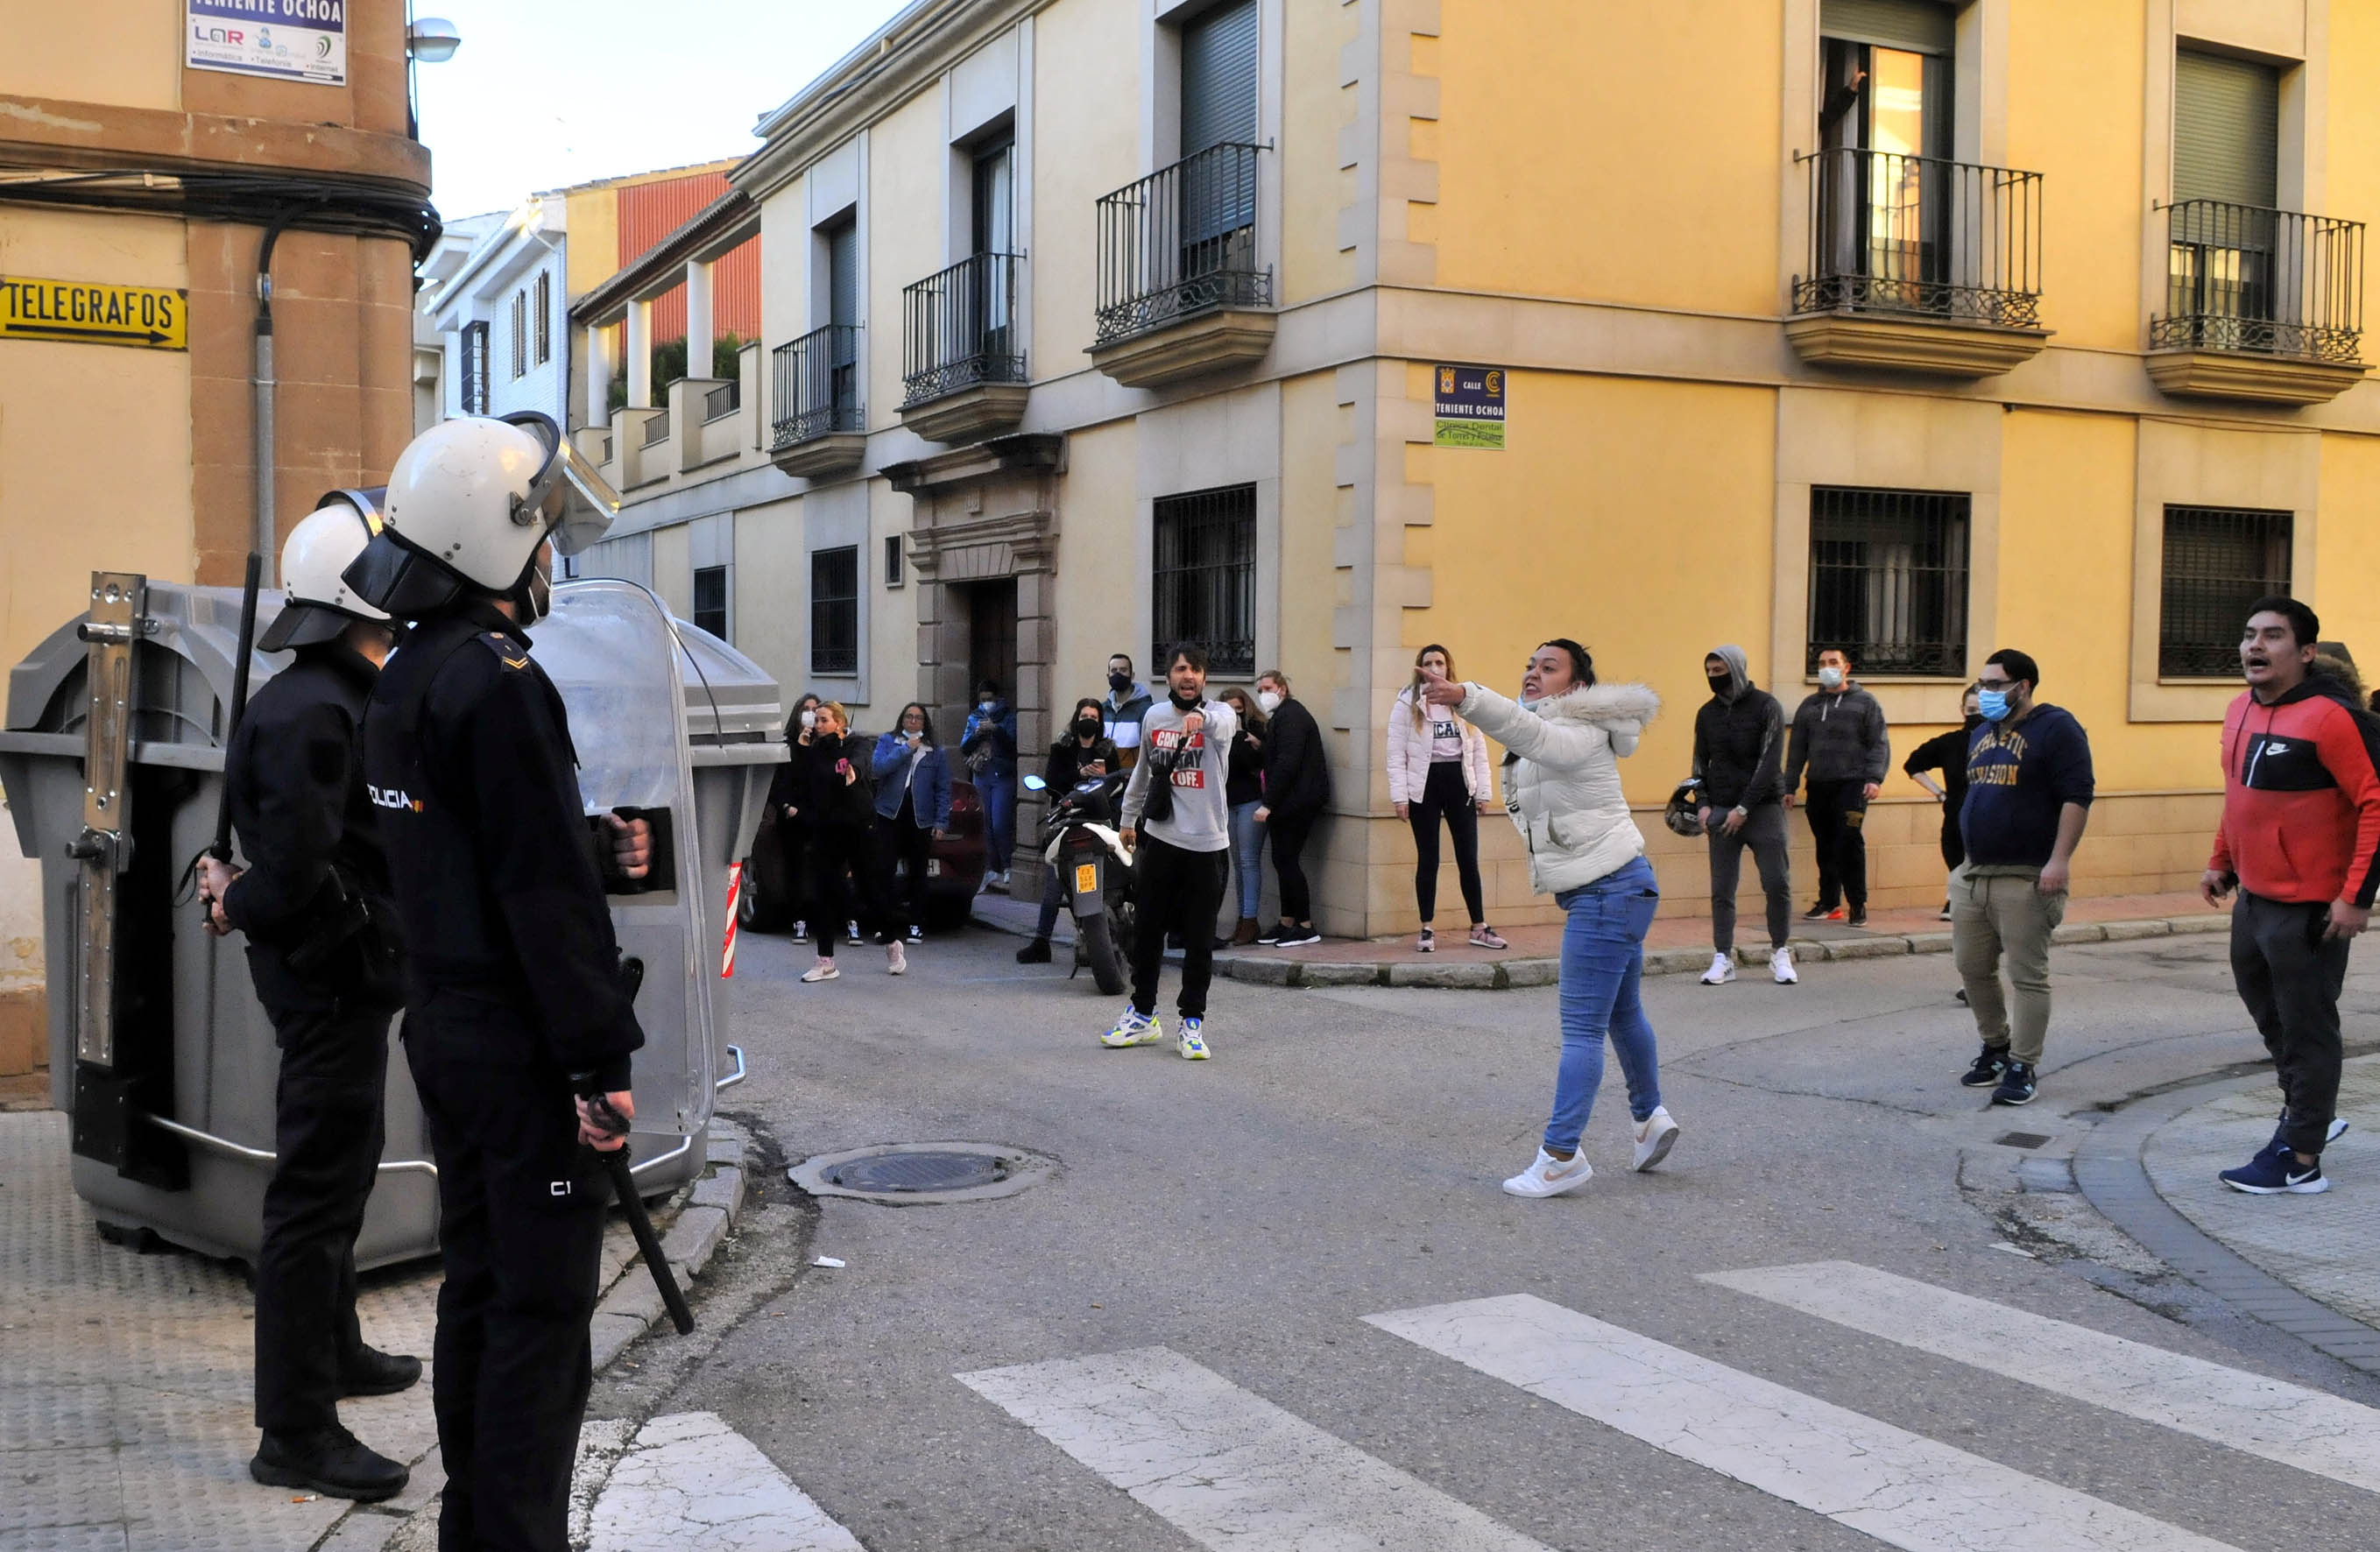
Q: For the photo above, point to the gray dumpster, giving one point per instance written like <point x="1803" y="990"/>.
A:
<point x="158" y="1049"/>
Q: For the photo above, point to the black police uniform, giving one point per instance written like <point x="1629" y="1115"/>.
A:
<point x="314" y="905"/>
<point x="512" y="988"/>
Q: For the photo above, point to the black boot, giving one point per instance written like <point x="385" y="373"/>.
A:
<point x="330" y="1461"/>
<point x="373" y="1373"/>
<point x="1034" y="953"/>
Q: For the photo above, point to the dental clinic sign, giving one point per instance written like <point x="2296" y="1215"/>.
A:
<point x="295" y="40"/>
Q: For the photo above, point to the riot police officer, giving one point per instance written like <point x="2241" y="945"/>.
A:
<point x="313" y="903"/>
<point x="518" y="1027"/>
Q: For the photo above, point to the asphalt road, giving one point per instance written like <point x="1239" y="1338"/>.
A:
<point x="1339" y="1159"/>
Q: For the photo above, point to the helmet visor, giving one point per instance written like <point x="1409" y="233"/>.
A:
<point x="588" y="502"/>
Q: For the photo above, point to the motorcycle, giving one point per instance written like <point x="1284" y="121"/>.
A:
<point x="1079" y="841"/>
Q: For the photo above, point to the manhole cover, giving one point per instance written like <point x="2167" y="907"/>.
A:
<point x="918" y="1172"/>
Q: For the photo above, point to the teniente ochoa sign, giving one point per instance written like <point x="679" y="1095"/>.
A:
<point x="295" y="40"/>
<point x="94" y="312"/>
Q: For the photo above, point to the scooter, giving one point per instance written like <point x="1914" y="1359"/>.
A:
<point x="1095" y="872"/>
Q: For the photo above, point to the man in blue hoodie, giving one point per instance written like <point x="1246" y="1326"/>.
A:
<point x="988" y="746"/>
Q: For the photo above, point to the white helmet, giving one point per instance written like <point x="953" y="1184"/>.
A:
<point x="468" y="505"/>
<point x="320" y="603"/>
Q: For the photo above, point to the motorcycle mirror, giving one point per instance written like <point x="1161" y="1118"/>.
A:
<point x="1035" y="783"/>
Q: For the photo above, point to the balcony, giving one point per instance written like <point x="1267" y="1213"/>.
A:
<point x="814" y="388"/>
<point x="962" y="365"/>
<point x="1918" y="264"/>
<point x="1180" y="291"/>
<point x="2261" y="305"/>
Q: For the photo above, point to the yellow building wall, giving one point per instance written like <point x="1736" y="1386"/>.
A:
<point x="1086" y="92"/>
<point x="2354" y="144"/>
<point x="592" y="255"/>
<point x="2074" y="115"/>
<point x="1616" y="153"/>
<point x="904" y="236"/>
<point x="771" y="581"/>
<point x="1312" y="186"/>
<point x="674" y="569"/>
<point x="1101" y="578"/>
<point x="52" y="53"/>
<point x="1312" y="427"/>
<point x="2347" y="594"/>
<point x="891" y="613"/>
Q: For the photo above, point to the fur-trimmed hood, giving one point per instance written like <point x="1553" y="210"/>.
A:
<point x="1603" y="704"/>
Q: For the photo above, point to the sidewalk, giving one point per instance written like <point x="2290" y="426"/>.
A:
<point x="1676" y="944"/>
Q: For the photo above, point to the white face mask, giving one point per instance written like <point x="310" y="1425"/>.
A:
<point x="1830" y="678"/>
<point x="984" y="706"/>
<point x="1269" y="700"/>
<point x="809" y="720"/>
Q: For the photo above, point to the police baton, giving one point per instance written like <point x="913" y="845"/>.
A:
<point x="220" y="847"/>
<point x="641" y="1223"/>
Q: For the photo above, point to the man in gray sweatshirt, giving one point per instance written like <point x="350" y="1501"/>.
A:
<point x="1177" y="824"/>
<point x="1840" y="737"/>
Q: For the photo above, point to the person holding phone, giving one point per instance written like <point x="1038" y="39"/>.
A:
<point x="1084" y="754"/>
<point x="790" y="827"/>
<point x="913" y="811"/>
<point x="842" y="842"/>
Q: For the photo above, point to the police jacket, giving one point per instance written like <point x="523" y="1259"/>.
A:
<point x="313" y="902"/>
<point x="467" y="754"/>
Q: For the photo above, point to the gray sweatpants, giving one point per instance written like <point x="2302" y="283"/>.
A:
<point x="1764" y="832"/>
<point x="2003" y="915"/>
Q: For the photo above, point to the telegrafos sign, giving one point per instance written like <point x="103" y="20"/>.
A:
<point x="294" y="40"/>
<point x="94" y="312"/>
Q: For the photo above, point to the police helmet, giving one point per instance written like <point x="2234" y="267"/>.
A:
<point x="320" y="602"/>
<point x="468" y="505"/>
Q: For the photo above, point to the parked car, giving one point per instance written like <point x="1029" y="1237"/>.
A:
<point x="955" y="866"/>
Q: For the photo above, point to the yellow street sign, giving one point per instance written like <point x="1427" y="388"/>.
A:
<point x="89" y="313"/>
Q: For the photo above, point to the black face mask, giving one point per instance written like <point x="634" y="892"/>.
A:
<point x="1119" y="682"/>
<point x="1191" y="704"/>
<point x="1974" y="720"/>
<point x="1087" y="727"/>
<point x="1722" y="685"/>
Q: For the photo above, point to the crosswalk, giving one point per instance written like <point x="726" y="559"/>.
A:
<point x="1228" y="1468"/>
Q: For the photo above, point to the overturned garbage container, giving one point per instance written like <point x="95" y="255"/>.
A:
<point x="111" y="759"/>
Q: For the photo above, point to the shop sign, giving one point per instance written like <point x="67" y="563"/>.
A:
<point x="290" y="39"/>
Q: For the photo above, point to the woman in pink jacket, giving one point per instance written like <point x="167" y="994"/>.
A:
<point x="1438" y="767"/>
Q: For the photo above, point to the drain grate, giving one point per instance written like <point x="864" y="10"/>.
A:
<point x="919" y="1174"/>
<point x="2020" y="1139"/>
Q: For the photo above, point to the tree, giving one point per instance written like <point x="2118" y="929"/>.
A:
<point x="669" y="365"/>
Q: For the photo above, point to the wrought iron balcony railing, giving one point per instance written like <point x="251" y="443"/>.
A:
<point x="1179" y="242"/>
<point x="2263" y="282"/>
<point x="1921" y="237"/>
<point x="814" y="386"/>
<point x="958" y="329"/>
<point x="657" y="429"/>
<point x="725" y="399"/>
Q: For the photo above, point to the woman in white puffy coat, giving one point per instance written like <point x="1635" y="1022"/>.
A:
<point x="1561" y="784"/>
<point x="1438" y="770"/>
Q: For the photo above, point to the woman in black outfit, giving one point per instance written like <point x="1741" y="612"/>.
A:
<point x="789" y="827"/>
<point x="1948" y="754"/>
<point x="842" y="811"/>
<point x="1084" y="754"/>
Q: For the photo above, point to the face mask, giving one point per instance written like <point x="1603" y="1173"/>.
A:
<point x="1269" y="701"/>
<point x="1119" y="682"/>
<point x="1830" y="678"/>
<point x="1722" y="684"/>
<point x="1974" y="718"/>
<point x="984" y="706"/>
<point x="1089" y="727"/>
<point x="809" y="719"/>
<point x="1185" y="702"/>
<point x="1994" y="705"/>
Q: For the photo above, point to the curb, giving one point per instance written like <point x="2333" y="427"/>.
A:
<point x="632" y="1305"/>
<point x="1504" y="975"/>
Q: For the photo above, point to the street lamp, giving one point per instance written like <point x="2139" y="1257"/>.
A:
<point x="432" y="40"/>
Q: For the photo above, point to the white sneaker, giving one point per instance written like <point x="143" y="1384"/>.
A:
<point x="1551" y="1176"/>
<point x="1780" y="964"/>
<point x="1134" y="1027"/>
<point x="1655" y="1135"/>
<point x="1722" y="971"/>
<point x="896" y="960"/>
<point x="823" y="970"/>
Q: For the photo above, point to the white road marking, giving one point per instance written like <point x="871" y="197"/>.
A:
<point x="1227" y="1468"/>
<point x="1901" y="1488"/>
<point x="692" y="1484"/>
<point x="2271" y="1418"/>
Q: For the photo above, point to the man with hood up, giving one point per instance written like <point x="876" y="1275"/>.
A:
<point x="1738" y="755"/>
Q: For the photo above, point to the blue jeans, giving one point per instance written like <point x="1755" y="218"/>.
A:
<point x="1602" y="966"/>
<point x="999" y="794"/>
<point x="1247" y="845"/>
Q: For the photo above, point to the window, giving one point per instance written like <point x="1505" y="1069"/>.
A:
<point x="710" y="599"/>
<point x="1206" y="577"/>
<point x="2218" y="560"/>
<point x="843" y="311"/>
<point x="1888" y="579"/>
<point x="520" y="334"/>
<point x="891" y="560"/>
<point x="834" y="611"/>
<point x="474" y="363"/>
<point x="544" y="324"/>
<point x="1885" y="198"/>
<point x="1218" y="110"/>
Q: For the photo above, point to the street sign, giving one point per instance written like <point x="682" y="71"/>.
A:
<point x="94" y="312"/>
<point x="1470" y="407"/>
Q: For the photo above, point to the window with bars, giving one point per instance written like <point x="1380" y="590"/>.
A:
<point x="520" y="334"/>
<point x="1206" y="577"/>
<point x="2218" y="560"/>
<point x="1888" y="579"/>
<point x="543" y="327"/>
<point x="474" y="363"/>
<point x="834" y="609"/>
<point x="710" y="599"/>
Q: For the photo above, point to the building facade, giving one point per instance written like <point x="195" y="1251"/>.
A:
<point x="1315" y="332"/>
<point x="151" y="170"/>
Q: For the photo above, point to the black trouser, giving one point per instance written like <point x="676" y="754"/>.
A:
<point x="327" y="1129"/>
<point x="520" y="1229"/>
<point x="1954" y="841"/>
<point x="1174" y="891"/>
<point x="898" y="841"/>
<point x="2289" y="974"/>
<point x="1838" y="812"/>
<point x="794" y="851"/>
<point x="1764" y="830"/>
<point x="843" y="884"/>
<point x="1444" y="795"/>
<point x="1288" y="835"/>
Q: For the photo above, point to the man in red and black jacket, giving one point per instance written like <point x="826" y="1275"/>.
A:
<point x="2300" y="840"/>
